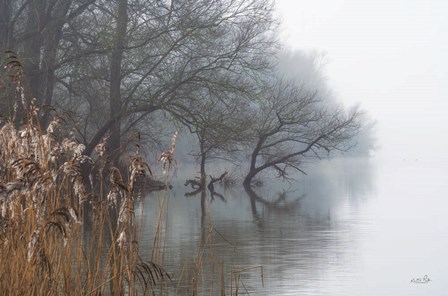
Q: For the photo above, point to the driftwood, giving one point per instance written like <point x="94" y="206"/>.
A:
<point x="193" y="193"/>
<point x="210" y="186"/>
<point x="196" y="185"/>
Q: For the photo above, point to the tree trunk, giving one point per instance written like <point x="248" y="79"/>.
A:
<point x="5" y="20"/>
<point x="253" y="171"/>
<point x="203" y="174"/>
<point x="203" y="159"/>
<point x="51" y="41"/>
<point x="115" y="103"/>
<point x="248" y="179"/>
<point x="32" y="51"/>
<point x="7" y="92"/>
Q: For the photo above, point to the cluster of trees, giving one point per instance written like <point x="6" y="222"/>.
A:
<point x="117" y="67"/>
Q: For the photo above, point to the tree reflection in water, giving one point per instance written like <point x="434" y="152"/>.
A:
<point x="310" y="234"/>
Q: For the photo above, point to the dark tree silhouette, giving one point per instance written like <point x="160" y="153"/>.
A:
<point x="292" y="124"/>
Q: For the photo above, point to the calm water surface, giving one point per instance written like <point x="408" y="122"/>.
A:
<point x="350" y="227"/>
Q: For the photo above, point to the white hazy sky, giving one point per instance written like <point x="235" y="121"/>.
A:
<point x="389" y="56"/>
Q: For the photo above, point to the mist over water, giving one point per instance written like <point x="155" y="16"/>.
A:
<point x="350" y="227"/>
<point x="127" y="75"/>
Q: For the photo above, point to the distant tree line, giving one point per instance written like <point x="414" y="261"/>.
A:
<point x="118" y="68"/>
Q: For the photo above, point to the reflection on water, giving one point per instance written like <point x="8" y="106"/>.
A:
<point x="330" y="233"/>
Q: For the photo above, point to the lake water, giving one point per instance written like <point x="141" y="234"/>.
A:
<point x="350" y="227"/>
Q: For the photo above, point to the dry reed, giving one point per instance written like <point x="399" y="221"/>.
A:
<point x="56" y="236"/>
<point x="67" y="223"/>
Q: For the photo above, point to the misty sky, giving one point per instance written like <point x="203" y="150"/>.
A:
<point x="389" y="56"/>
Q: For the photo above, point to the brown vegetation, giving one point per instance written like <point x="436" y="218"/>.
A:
<point x="46" y="213"/>
<point x="67" y="224"/>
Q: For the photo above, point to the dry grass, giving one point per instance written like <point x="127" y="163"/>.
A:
<point x="56" y="236"/>
<point x="67" y="223"/>
<point x="47" y="213"/>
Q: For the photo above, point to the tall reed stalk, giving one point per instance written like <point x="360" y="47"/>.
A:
<point x="58" y="231"/>
<point x="67" y="222"/>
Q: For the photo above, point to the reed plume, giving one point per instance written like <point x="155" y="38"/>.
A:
<point x="52" y="228"/>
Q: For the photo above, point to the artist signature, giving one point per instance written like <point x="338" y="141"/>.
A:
<point x="423" y="280"/>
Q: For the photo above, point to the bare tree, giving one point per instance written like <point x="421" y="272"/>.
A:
<point x="308" y="68"/>
<point x="220" y="126"/>
<point x="293" y="124"/>
<point x="34" y="29"/>
<point x="115" y="102"/>
<point x="110" y="64"/>
<point x="175" y="50"/>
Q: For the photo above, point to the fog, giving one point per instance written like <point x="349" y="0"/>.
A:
<point x="191" y="84"/>
<point x="389" y="56"/>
